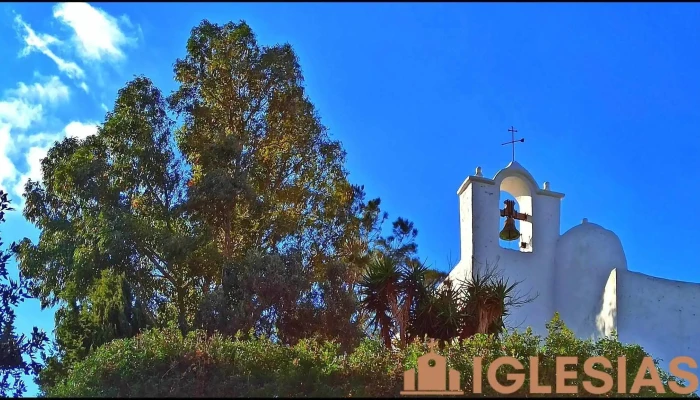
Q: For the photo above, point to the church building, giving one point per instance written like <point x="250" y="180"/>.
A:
<point x="582" y="274"/>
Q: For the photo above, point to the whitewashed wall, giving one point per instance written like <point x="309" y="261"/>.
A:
<point x="581" y="274"/>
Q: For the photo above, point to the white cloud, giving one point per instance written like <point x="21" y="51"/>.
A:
<point x="93" y="37"/>
<point x="19" y="110"/>
<point x="39" y="145"/>
<point x="80" y="130"/>
<point x="23" y="106"/>
<point x="19" y="114"/>
<point x="8" y="172"/>
<point x="104" y="107"/>
<point x="53" y="91"/>
<point x="40" y="43"/>
<point x="97" y="35"/>
<point x="33" y="159"/>
<point x="36" y="139"/>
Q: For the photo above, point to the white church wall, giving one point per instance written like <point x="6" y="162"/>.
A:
<point x="533" y="283"/>
<point x="480" y="223"/>
<point x="547" y="214"/>
<point x="585" y="256"/>
<point x="606" y="317"/>
<point x="464" y="268"/>
<point x="537" y="275"/>
<point x="475" y="194"/>
<point x="661" y="315"/>
<point x="582" y="274"/>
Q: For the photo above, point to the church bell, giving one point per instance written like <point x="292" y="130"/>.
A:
<point x="509" y="232"/>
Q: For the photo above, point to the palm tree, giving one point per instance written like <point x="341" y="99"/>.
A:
<point x="379" y="287"/>
<point x="392" y="288"/>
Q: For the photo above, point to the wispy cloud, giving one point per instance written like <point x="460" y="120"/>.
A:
<point x="20" y="108"/>
<point x="40" y="145"/>
<point x="8" y="171"/>
<point x="97" y="36"/>
<point x="41" y="42"/>
<point x="52" y="91"/>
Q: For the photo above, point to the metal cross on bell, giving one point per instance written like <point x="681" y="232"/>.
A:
<point x="509" y="231"/>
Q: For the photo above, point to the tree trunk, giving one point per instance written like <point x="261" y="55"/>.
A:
<point x="181" y="312"/>
<point x="386" y="335"/>
<point x="490" y="311"/>
<point x="401" y="315"/>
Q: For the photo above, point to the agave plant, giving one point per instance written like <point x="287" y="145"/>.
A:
<point x="486" y="299"/>
<point x="438" y="315"/>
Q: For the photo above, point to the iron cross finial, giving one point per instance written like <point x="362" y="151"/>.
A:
<point x="512" y="142"/>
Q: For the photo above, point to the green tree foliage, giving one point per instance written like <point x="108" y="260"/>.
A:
<point x="164" y="363"/>
<point x="265" y="173"/>
<point x="17" y="352"/>
<point x="268" y="180"/>
<point x="240" y="216"/>
<point x="115" y="251"/>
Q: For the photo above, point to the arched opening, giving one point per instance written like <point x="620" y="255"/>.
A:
<point x="515" y="189"/>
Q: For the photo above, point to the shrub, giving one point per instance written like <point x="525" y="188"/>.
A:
<point x="164" y="363"/>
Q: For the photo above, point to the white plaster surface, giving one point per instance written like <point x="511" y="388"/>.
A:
<point x="581" y="274"/>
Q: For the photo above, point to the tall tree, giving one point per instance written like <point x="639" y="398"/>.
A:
<point x="13" y="347"/>
<point x="266" y="177"/>
<point x="241" y="216"/>
<point x="265" y="172"/>
<point x="113" y="202"/>
<point x="115" y="247"/>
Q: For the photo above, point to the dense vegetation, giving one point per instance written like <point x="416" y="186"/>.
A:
<point x="209" y="242"/>
<point x="163" y="363"/>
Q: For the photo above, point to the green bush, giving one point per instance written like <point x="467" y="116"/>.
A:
<point x="164" y="363"/>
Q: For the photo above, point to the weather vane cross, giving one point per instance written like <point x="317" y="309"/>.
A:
<point x="512" y="142"/>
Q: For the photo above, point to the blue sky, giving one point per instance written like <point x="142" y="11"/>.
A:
<point x="607" y="96"/>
